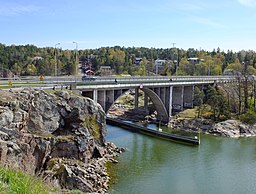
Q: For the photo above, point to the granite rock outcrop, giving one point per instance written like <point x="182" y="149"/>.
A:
<point x="60" y="136"/>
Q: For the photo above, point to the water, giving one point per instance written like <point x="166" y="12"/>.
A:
<point x="152" y="166"/>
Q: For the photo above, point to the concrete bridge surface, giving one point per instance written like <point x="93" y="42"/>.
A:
<point x="168" y="94"/>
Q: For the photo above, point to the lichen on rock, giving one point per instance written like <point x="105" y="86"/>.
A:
<point x="61" y="136"/>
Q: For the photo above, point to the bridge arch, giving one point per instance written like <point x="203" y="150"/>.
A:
<point x="114" y="95"/>
<point x="159" y="105"/>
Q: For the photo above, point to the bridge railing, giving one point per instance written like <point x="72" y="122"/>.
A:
<point x="67" y="80"/>
<point x="140" y="84"/>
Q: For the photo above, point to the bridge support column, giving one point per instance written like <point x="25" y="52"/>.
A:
<point x="109" y="99"/>
<point x="178" y="98"/>
<point x="188" y="96"/>
<point x="136" y="98"/>
<point x="95" y="95"/>
<point x="170" y="101"/>
<point x="102" y="98"/>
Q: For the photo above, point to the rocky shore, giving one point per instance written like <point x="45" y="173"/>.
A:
<point x="228" y="128"/>
<point x="60" y="136"/>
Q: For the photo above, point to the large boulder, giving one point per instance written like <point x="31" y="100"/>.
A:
<point x="228" y="128"/>
<point x="233" y="128"/>
<point x="59" y="135"/>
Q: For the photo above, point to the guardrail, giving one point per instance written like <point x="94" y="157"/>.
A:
<point x="145" y="80"/>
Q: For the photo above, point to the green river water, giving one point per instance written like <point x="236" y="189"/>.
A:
<point x="155" y="166"/>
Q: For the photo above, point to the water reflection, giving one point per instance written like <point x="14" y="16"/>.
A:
<point x="151" y="165"/>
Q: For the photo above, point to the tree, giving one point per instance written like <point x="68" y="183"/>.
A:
<point x="198" y="100"/>
<point x="31" y="70"/>
<point x="201" y="68"/>
<point x="142" y="69"/>
<point x="184" y="67"/>
<point x="218" y="103"/>
<point x="70" y="68"/>
<point x="16" y="69"/>
<point x="166" y="69"/>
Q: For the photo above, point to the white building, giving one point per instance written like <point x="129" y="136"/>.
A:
<point x="193" y="60"/>
<point x="159" y="62"/>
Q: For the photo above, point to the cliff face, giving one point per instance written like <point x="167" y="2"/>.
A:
<point x="60" y="136"/>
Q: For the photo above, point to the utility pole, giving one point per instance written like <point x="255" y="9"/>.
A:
<point x="76" y="60"/>
<point x="176" y="71"/>
<point x="56" y="71"/>
<point x="156" y="63"/>
<point x="177" y="64"/>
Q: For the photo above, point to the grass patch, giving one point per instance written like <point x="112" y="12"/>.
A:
<point x="91" y="123"/>
<point x="16" y="181"/>
<point x="4" y="87"/>
<point x="187" y="113"/>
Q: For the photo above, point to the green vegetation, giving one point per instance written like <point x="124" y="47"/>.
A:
<point x="235" y="99"/>
<point x="15" y="181"/>
<point x="31" y="60"/>
<point x="198" y="100"/>
<point x="248" y="117"/>
<point x="92" y="125"/>
<point x="187" y="113"/>
<point x="218" y="103"/>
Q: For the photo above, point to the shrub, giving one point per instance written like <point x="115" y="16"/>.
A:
<point x="249" y="117"/>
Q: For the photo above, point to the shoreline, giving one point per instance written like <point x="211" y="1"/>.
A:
<point x="228" y="128"/>
<point x="58" y="135"/>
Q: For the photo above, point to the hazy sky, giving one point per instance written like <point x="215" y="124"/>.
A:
<point x="205" y="24"/>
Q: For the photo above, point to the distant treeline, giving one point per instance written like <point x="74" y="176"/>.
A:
<point x="31" y="60"/>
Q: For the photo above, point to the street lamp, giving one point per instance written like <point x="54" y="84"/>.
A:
<point x="176" y="61"/>
<point x="76" y="59"/>
<point x="56" y="73"/>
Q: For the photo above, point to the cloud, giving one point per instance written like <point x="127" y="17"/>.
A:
<point x="250" y="3"/>
<point x="17" y="9"/>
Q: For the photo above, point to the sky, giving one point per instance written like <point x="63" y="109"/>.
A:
<point x="198" y="24"/>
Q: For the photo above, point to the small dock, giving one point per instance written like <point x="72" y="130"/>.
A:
<point x="140" y="129"/>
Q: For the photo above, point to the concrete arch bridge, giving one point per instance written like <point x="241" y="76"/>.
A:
<point x="167" y="94"/>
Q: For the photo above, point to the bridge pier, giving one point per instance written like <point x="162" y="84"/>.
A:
<point x="178" y="94"/>
<point x="102" y="98"/>
<point x="95" y="95"/>
<point x="169" y="104"/>
<point x="109" y="98"/>
<point x="188" y="96"/>
<point x="167" y="96"/>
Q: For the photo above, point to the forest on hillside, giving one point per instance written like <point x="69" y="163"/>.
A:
<point x="31" y="60"/>
<point x="237" y="98"/>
